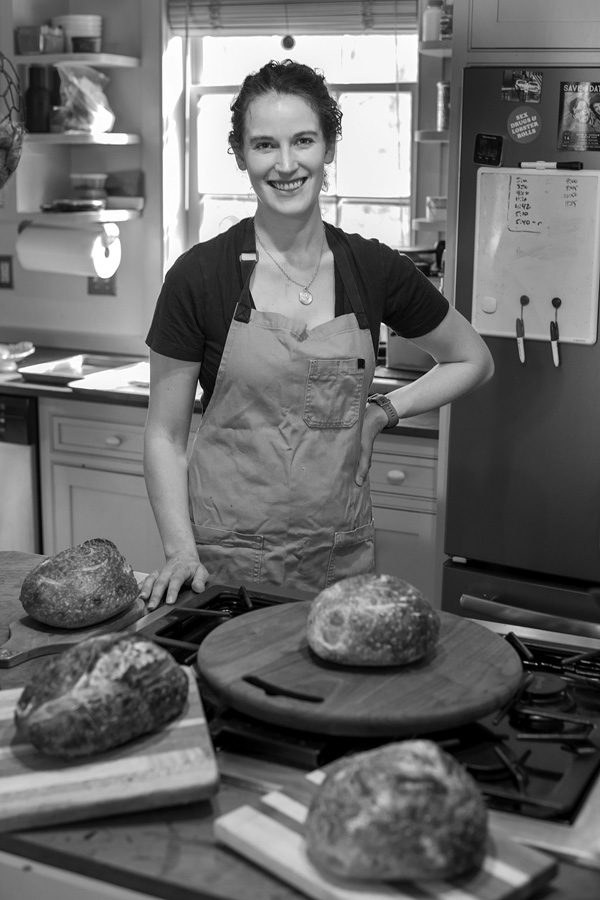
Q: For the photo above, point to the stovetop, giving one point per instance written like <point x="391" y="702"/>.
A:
<point x="538" y="757"/>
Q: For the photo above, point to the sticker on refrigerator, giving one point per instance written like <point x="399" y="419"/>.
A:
<point x="579" y="116"/>
<point x="524" y="125"/>
<point x="521" y="85"/>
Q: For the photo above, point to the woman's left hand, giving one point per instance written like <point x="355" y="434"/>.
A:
<point x="374" y="422"/>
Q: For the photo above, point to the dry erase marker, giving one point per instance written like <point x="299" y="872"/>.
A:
<point x="551" y="165"/>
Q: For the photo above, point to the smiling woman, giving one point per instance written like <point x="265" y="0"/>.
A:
<point x="276" y="489"/>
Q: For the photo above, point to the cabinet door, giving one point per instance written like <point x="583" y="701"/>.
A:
<point x="90" y="503"/>
<point x="405" y="546"/>
<point x="539" y="24"/>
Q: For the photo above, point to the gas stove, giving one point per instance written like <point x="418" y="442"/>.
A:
<point x="536" y="760"/>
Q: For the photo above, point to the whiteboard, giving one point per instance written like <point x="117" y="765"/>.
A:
<point x="537" y="235"/>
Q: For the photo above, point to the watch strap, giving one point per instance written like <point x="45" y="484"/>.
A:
<point x="382" y="401"/>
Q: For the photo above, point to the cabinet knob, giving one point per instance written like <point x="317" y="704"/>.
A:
<point x="113" y="440"/>
<point x="396" y="476"/>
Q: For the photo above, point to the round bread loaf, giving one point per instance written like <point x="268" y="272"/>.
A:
<point x="100" y="694"/>
<point x="80" y="586"/>
<point x="405" y="811"/>
<point x="372" y="620"/>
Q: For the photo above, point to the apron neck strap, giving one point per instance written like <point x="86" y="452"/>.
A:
<point x="343" y="264"/>
<point x="248" y="260"/>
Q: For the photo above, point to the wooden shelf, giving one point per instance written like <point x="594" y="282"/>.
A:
<point x="109" y="138"/>
<point x="80" y="218"/>
<point x="431" y="137"/>
<point x="104" y="60"/>
<point x="435" y="48"/>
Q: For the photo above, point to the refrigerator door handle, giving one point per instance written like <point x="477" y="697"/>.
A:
<point x="504" y="614"/>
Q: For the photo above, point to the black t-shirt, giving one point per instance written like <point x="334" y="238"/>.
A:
<point x="199" y="295"/>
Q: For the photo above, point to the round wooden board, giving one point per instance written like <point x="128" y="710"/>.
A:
<point x="261" y="665"/>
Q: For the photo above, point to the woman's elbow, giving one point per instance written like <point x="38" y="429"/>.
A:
<point x="485" y="364"/>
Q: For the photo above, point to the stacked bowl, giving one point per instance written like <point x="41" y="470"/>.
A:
<point x="83" y="34"/>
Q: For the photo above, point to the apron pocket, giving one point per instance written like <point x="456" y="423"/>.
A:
<point x="333" y="392"/>
<point x="353" y="553"/>
<point x="229" y="556"/>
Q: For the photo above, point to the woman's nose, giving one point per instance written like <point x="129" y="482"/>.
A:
<point x="286" y="160"/>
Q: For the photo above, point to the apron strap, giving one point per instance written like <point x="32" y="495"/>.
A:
<point x="248" y="260"/>
<point x="341" y="258"/>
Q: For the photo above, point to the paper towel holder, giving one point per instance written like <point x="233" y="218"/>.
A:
<point x="108" y="231"/>
<point x="105" y="236"/>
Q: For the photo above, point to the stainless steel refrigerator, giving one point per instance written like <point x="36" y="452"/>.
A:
<point x="523" y="494"/>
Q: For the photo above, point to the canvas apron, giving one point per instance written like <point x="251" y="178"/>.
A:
<point x="271" y="474"/>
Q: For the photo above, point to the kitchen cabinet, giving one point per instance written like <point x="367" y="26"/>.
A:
<point x="536" y="24"/>
<point x="403" y="487"/>
<point x="92" y="479"/>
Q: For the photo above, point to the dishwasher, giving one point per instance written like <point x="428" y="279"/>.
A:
<point x="20" y="521"/>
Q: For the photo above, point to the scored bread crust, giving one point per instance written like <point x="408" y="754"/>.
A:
<point x="80" y="586"/>
<point x="405" y="811"/>
<point x="372" y="620"/>
<point x="100" y="694"/>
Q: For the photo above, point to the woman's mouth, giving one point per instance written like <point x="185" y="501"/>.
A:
<point x="287" y="186"/>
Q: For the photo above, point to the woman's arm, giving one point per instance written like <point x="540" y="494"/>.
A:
<point x="173" y="385"/>
<point x="463" y="362"/>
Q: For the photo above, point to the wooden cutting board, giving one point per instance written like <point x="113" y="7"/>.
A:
<point x="174" y="766"/>
<point x="261" y="665"/>
<point x="271" y="835"/>
<point x="28" y="639"/>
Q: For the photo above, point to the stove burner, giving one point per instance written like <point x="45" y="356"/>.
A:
<point x="545" y="688"/>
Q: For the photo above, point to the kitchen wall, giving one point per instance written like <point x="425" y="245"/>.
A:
<point x="54" y="309"/>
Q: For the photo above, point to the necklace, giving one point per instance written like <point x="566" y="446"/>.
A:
<point x="305" y="297"/>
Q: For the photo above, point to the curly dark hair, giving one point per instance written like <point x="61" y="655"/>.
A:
<point x="287" y="77"/>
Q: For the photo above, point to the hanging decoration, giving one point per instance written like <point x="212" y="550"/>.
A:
<point x="12" y="119"/>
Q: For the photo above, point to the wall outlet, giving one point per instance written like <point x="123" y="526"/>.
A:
<point x="106" y="286"/>
<point x="6" y="272"/>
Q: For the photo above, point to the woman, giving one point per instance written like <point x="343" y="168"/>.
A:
<point x="279" y="319"/>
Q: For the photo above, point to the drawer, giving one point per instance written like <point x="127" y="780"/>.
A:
<point x="399" y="475"/>
<point x="98" y="438"/>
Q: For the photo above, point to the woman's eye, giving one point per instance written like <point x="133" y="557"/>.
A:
<point x="305" y="140"/>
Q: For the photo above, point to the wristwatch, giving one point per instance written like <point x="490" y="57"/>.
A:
<point x="382" y="401"/>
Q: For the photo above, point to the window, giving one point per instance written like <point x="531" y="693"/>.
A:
<point x="370" y="181"/>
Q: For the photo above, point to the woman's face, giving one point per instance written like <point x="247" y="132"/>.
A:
<point x="284" y="153"/>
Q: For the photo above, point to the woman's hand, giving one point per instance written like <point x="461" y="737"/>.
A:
<point x="374" y="422"/>
<point x="167" y="583"/>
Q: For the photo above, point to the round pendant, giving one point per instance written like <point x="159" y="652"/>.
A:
<point x="305" y="298"/>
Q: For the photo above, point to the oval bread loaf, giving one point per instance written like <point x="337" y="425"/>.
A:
<point x="372" y="620"/>
<point x="405" y="811"/>
<point x="99" y="694"/>
<point x="80" y="586"/>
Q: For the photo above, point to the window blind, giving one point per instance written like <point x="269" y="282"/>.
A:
<point x="225" y="18"/>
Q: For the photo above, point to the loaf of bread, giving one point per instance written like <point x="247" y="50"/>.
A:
<point x="372" y="620"/>
<point x="405" y="811"/>
<point x="80" y="586"/>
<point x="100" y="694"/>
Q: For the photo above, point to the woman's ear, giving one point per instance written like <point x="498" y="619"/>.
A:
<point x="329" y="154"/>
<point x="239" y="158"/>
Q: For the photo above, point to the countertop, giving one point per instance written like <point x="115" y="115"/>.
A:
<point x="426" y="425"/>
<point x="171" y="853"/>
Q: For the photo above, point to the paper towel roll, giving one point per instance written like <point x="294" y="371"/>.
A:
<point x="92" y="251"/>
